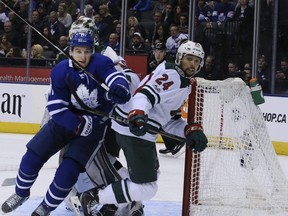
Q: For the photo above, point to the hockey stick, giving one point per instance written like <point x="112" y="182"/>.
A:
<point x="8" y="182"/>
<point x="55" y="46"/>
<point x="114" y="117"/>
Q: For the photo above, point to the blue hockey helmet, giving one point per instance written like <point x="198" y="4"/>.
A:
<point x="83" y="39"/>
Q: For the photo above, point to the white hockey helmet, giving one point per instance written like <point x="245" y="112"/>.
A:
<point x="82" y="24"/>
<point x="190" y="48"/>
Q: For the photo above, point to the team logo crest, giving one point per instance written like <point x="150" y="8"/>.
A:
<point x="88" y="98"/>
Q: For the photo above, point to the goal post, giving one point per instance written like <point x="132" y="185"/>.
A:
<point x="238" y="173"/>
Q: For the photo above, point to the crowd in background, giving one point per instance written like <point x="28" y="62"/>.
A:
<point x="223" y="27"/>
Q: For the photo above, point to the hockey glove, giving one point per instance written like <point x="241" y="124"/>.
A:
<point x="85" y="126"/>
<point x="119" y="94"/>
<point x="137" y="122"/>
<point x="195" y="138"/>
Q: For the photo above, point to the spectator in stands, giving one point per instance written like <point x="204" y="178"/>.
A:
<point x="64" y="17"/>
<point x="203" y="12"/>
<point x="43" y="15"/>
<point x="44" y="43"/>
<point x="2" y="56"/>
<point x="282" y="76"/>
<point x="48" y="6"/>
<point x="114" y="8"/>
<point x="263" y="74"/>
<point x="11" y="33"/>
<point x="14" y="52"/>
<point x="22" y="37"/>
<point x="23" y="9"/>
<point x="174" y="41"/>
<point x="59" y="56"/>
<point x="142" y="5"/>
<point x="152" y="29"/>
<point x="113" y="42"/>
<point x="177" y="13"/>
<point x="247" y="73"/>
<point x="106" y="17"/>
<point x="3" y="16"/>
<point x="5" y="44"/>
<point x="16" y="22"/>
<point x="38" y="24"/>
<point x="184" y="4"/>
<point x="222" y="11"/>
<point x="138" y="43"/>
<point x="71" y="8"/>
<point x="210" y="70"/>
<point x="56" y="28"/>
<point x="157" y="56"/>
<point x="12" y="3"/>
<point x="36" y="21"/>
<point x="160" y="6"/>
<point x="89" y="11"/>
<point x="161" y="34"/>
<point x="37" y="58"/>
<point x="102" y="30"/>
<point x="233" y="69"/>
<point x="130" y="32"/>
<point x="168" y="14"/>
<point x="63" y="42"/>
<point x="118" y="28"/>
<point x="14" y="57"/>
<point x="245" y="14"/>
<point x="250" y="3"/>
<point x="133" y="21"/>
<point x="183" y="24"/>
<point x="37" y="51"/>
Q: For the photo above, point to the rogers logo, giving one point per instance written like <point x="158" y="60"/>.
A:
<point x="11" y="104"/>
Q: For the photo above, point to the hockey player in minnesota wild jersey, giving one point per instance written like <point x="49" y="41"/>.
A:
<point x="69" y="123"/>
<point x="157" y="99"/>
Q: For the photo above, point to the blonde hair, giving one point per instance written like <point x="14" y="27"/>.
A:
<point x="134" y="20"/>
<point x="37" y="51"/>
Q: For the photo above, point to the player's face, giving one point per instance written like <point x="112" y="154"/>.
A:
<point x="190" y="64"/>
<point x="159" y="55"/>
<point x="82" y="55"/>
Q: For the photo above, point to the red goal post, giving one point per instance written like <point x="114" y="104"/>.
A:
<point x="238" y="173"/>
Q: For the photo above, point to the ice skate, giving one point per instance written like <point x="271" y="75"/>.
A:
<point x="41" y="210"/>
<point x="13" y="202"/>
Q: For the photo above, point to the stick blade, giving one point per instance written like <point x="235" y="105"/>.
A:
<point x="9" y="182"/>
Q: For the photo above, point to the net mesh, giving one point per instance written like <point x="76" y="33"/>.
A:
<point x="238" y="173"/>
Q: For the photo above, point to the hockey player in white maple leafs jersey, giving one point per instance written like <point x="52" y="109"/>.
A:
<point x="157" y="99"/>
<point x="69" y="123"/>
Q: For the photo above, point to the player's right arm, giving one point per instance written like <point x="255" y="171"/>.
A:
<point x="59" y="97"/>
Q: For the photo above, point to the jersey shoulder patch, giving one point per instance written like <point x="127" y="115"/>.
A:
<point x="184" y="80"/>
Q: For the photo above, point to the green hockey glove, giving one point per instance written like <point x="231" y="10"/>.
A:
<point x="195" y="138"/>
<point x="137" y="122"/>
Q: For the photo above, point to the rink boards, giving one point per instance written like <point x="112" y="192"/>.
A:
<point x="22" y="108"/>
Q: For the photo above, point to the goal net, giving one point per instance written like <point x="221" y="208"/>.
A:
<point x="238" y="174"/>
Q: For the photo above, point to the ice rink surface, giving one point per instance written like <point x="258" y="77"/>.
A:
<point x="167" y="201"/>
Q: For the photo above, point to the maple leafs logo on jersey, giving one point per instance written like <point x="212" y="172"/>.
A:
<point x="90" y="99"/>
